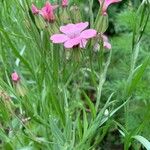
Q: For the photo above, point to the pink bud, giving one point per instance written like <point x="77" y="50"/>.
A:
<point x="64" y="3"/>
<point x="15" y="77"/>
<point x="34" y="9"/>
<point x="106" y="43"/>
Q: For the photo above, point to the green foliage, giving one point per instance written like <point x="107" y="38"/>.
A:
<point x="63" y="104"/>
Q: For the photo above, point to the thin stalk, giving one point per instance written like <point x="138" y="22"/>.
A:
<point x="91" y="13"/>
<point x="102" y="81"/>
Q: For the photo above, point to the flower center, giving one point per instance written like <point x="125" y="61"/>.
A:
<point x="73" y="34"/>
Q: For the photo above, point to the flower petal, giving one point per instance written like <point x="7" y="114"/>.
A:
<point x="47" y="11"/>
<point x="72" y="42"/>
<point x="81" y="26"/>
<point x="83" y="43"/>
<point x="67" y="28"/>
<point x="89" y="33"/>
<point x="74" y="27"/>
<point x="105" y="38"/>
<point x="106" y="4"/>
<point x="34" y="9"/>
<point x="107" y="45"/>
<point x="64" y="3"/>
<point x="59" y="38"/>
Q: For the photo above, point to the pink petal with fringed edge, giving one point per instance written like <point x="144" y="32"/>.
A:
<point x="105" y="38"/>
<point x="81" y="26"/>
<point x="64" y="3"/>
<point x="107" y="45"/>
<point x="74" y="28"/>
<point x="47" y="12"/>
<point x="72" y="42"/>
<point x="67" y="28"/>
<point x="59" y="38"/>
<point x="89" y="33"/>
<point x="109" y="2"/>
<point x="34" y="9"/>
<point x="106" y="4"/>
<point x="48" y="6"/>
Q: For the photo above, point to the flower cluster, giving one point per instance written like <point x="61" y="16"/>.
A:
<point x="75" y="34"/>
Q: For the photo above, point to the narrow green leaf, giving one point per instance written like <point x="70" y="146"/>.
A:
<point x="90" y="104"/>
<point x="143" y="141"/>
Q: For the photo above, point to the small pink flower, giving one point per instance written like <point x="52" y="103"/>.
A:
<point x="34" y="9"/>
<point x="74" y="35"/>
<point x="106" y="43"/>
<point x="106" y="4"/>
<point x="47" y="12"/>
<point x="15" y="77"/>
<point x="64" y="3"/>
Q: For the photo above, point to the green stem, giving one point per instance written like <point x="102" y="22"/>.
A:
<point x="91" y="13"/>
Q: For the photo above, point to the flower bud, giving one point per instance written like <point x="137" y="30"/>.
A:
<point x="65" y="17"/>
<point x="106" y="112"/>
<point x="64" y="3"/>
<point x="75" y="14"/>
<point x="106" y="43"/>
<point x="40" y="22"/>
<point x="52" y="28"/>
<point x="7" y="102"/>
<point x="101" y="23"/>
<point x="102" y="40"/>
<point x="17" y="84"/>
<point x="47" y="12"/>
<point x="20" y="89"/>
<point x="15" y="77"/>
<point x="34" y="9"/>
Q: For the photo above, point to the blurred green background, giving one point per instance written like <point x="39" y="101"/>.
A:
<point x="122" y="20"/>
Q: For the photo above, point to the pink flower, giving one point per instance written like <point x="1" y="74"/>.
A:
<point x="106" y="4"/>
<point x="106" y="43"/>
<point x="64" y="3"/>
<point x="74" y="35"/>
<point x="47" y="12"/>
<point x="15" y="77"/>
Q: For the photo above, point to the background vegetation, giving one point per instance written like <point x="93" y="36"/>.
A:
<point x="81" y="108"/>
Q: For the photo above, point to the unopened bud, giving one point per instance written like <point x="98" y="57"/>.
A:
<point x="101" y="23"/>
<point x="53" y="28"/>
<point x="40" y="22"/>
<point x="15" y="77"/>
<point x="102" y="40"/>
<point x="106" y="112"/>
<point x="65" y="17"/>
<point x="20" y="89"/>
<point x="17" y="84"/>
<point x="76" y="14"/>
<point x="64" y="3"/>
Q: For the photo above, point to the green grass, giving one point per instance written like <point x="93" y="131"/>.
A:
<point x="61" y="104"/>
